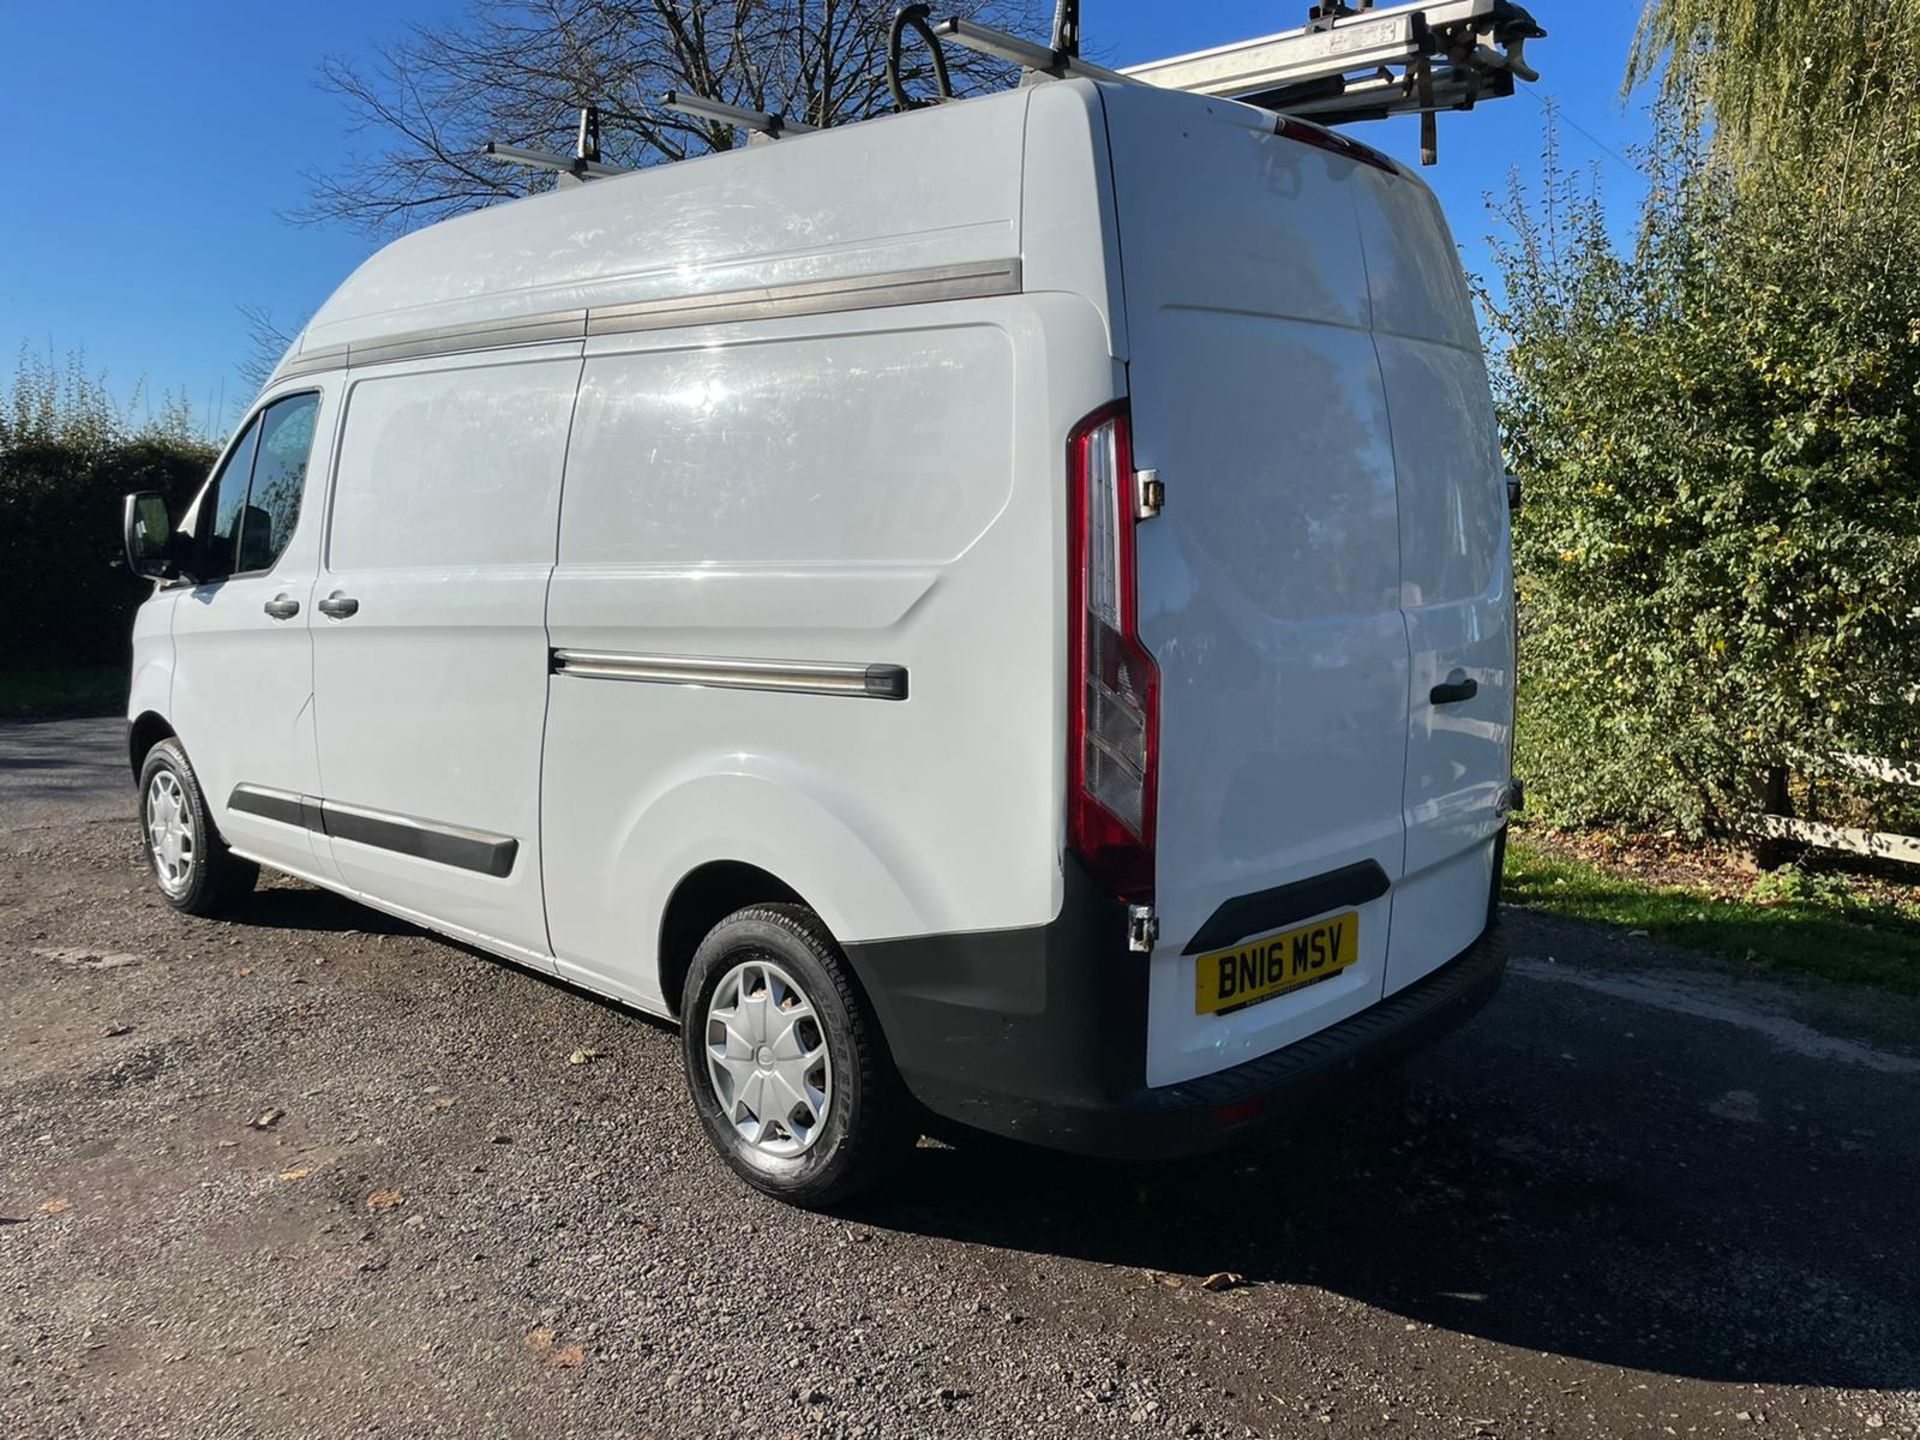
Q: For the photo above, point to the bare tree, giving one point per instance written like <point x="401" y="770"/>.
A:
<point x="267" y="341"/>
<point x="519" y="70"/>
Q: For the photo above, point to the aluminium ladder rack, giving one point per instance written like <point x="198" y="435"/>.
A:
<point x="1345" y="64"/>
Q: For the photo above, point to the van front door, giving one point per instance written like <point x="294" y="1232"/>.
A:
<point x="242" y="700"/>
<point x="430" y="641"/>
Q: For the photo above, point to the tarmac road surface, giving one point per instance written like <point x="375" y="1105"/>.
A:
<point x="317" y="1173"/>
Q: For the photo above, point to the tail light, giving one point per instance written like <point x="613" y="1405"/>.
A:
<point x="1113" y="728"/>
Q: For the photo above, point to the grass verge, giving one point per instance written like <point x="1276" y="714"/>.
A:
<point x="53" y="694"/>
<point x="1827" y="934"/>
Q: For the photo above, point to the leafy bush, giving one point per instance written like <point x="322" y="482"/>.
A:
<point x="68" y="453"/>
<point x="1719" y="433"/>
<point x="1790" y="885"/>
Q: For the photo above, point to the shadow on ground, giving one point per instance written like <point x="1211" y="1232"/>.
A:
<point x="1633" y="1242"/>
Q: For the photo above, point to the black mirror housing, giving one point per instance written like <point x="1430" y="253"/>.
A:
<point x="148" y="536"/>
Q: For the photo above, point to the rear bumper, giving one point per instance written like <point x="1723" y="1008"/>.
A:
<point x="1040" y="1035"/>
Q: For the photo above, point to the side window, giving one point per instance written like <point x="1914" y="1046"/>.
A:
<point x="248" y="513"/>
<point x="218" y="540"/>
<point x="279" y="478"/>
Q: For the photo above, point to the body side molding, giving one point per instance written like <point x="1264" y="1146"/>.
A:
<point x="478" y="850"/>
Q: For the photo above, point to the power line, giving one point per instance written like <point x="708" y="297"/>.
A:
<point x="1552" y="104"/>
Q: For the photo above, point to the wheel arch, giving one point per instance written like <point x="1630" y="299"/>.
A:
<point x="705" y="896"/>
<point x="145" y="731"/>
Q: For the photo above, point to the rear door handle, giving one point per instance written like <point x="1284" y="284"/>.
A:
<point x="282" y="607"/>
<point x="1457" y="687"/>
<point x="338" y="607"/>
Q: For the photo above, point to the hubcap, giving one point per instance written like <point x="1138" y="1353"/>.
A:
<point x="767" y="1058"/>
<point x="170" y="837"/>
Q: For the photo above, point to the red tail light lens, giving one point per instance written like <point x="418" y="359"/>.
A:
<point x="1113" y="740"/>
<point x="1291" y="129"/>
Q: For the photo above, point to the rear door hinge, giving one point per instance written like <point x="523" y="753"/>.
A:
<point x="1143" y="929"/>
<point x="1149" y="493"/>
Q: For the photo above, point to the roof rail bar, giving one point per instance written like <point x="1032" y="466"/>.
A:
<point x="583" y="165"/>
<point x="771" y="124"/>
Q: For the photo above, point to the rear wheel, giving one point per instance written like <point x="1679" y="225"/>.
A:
<point x="786" y="1064"/>
<point x="192" y="865"/>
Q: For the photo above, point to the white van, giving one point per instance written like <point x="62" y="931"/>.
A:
<point x="1003" y="611"/>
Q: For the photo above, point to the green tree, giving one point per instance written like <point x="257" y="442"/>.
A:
<point x="1825" y="88"/>
<point x="1719" y="430"/>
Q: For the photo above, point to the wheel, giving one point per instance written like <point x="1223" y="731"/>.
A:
<point x="191" y="863"/>
<point x="785" y="1061"/>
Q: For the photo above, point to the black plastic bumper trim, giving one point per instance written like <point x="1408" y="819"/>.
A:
<point x="1041" y="1034"/>
<point x="1281" y="906"/>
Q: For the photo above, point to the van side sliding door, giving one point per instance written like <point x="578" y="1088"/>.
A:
<point x="430" y="642"/>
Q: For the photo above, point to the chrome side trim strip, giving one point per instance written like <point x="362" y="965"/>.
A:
<point x="307" y="362"/>
<point x="486" y="335"/>
<point x="973" y="281"/>
<point x="806" y="677"/>
<point x="813" y="297"/>
<point x="455" y="845"/>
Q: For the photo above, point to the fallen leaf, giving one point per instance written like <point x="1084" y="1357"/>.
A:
<point x="443" y="1102"/>
<point x="59" y="1205"/>
<point x="384" y="1199"/>
<point x="582" y="1056"/>
<point x="565" y="1357"/>
<point x="1223" y="1280"/>
<point x="267" y="1118"/>
<point x="298" y="1172"/>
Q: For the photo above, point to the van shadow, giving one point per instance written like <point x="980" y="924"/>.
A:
<point x="299" y="907"/>
<point x="1463" y="1215"/>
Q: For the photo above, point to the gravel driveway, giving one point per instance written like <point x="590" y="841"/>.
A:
<point x="317" y="1173"/>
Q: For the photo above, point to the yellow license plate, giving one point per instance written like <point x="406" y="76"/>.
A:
<point x="1275" y="964"/>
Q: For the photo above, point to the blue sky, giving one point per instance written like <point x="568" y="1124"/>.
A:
<point x="158" y="147"/>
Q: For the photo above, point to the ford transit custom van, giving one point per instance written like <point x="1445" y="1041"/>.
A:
<point x="1002" y="611"/>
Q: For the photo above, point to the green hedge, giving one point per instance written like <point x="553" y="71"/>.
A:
<point x="64" y="588"/>
<point x="1719" y="434"/>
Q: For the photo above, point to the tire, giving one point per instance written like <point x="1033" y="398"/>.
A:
<point x="759" y="957"/>
<point x="191" y="863"/>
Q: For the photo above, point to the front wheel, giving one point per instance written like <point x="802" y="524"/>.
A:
<point x="786" y="1064"/>
<point x="191" y="863"/>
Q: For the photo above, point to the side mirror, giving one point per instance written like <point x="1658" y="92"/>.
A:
<point x="151" y="551"/>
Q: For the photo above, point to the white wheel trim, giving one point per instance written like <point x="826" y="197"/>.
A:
<point x="767" y="1057"/>
<point x="171" y="841"/>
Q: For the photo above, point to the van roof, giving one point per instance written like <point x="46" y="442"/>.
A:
<point x="927" y="204"/>
<point x="896" y="196"/>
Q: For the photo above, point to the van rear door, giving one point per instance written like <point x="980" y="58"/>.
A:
<point x="1270" y="584"/>
<point x="1456" y="574"/>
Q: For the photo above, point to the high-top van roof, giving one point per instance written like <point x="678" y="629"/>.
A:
<point x="1002" y="194"/>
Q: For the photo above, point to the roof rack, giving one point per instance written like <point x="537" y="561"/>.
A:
<point x="583" y="165"/>
<point x="1347" y="63"/>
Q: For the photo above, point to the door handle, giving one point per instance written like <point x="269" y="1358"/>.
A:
<point x="1457" y="687"/>
<point x="282" y="607"/>
<point x="338" y="607"/>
